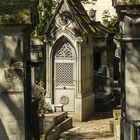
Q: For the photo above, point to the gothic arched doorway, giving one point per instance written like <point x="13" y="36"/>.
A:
<point x="64" y="78"/>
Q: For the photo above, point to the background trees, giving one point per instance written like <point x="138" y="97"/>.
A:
<point x="111" y="22"/>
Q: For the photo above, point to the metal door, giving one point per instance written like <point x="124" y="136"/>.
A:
<point x="64" y="77"/>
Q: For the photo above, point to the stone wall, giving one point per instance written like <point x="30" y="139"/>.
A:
<point x="130" y="69"/>
<point x="17" y="20"/>
<point x="11" y="85"/>
<point x="87" y="94"/>
<point x="87" y="65"/>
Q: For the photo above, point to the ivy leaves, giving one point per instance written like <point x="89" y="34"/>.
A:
<point x="45" y="13"/>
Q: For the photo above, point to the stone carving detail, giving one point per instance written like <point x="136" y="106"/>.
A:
<point x="65" y="51"/>
<point x="64" y="18"/>
<point x="64" y="100"/>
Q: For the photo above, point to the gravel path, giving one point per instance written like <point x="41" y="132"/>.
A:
<point x="96" y="128"/>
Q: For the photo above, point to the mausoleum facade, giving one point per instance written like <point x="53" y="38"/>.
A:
<point x="69" y="62"/>
<point x="71" y="42"/>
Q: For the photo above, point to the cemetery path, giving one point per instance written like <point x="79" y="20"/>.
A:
<point x="96" y="128"/>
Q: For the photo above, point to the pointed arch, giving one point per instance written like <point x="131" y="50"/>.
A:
<point x="63" y="48"/>
<point x="64" y="73"/>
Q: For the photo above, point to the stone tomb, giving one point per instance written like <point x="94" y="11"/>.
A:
<point x="72" y="42"/>
<point x="16" y="23"/>
<point x="11" y="84"/>
<point x="69" y="60"/>
<point x="130" y="69"/>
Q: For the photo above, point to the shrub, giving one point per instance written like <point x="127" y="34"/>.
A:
<point x="39" y="93"/>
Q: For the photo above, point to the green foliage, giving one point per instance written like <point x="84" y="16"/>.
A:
<point x="42" y="137"/>
<point x="17" y="12"/>
<point x="45" y="13"/>
<point x="109" y="21"/>
<point x="39" y="93"/>
<point x="21" y="17"/>
<point x="134" y="1"/>
<point x="131" y="2"/>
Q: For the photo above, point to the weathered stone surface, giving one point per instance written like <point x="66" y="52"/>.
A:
<point x="132" y="78"/>
<point x="12" y="126"/>
<point x="131" y="28"/>
<point x="132" y="103"/>
<point x="11" y="117"/>
<point x="130" y="67"/>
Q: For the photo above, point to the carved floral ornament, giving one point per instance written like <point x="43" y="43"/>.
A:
<point x="64" y="100"/>
<point x="66" y="51"/>
<point x="64" y="18"/>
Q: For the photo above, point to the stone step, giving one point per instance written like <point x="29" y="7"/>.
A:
<point x="56" y="117"/>
<point x="54" y="134"/>
<point x="67" y="135"/>
<point x="53" y="119"/>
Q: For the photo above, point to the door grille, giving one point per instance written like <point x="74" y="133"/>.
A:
<point x="64" y="74"/>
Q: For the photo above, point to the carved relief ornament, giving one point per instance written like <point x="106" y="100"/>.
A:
<point x="64" y="18"/>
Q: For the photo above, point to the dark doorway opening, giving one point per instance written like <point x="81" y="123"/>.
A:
<point x="97" y="61"/>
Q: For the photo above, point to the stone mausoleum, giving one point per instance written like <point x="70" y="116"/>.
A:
<point x="69" y="59"/>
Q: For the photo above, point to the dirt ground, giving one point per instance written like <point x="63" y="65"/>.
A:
<point x="96" y="128"/>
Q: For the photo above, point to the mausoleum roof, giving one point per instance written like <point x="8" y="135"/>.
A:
<point x="81" y="18"/>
